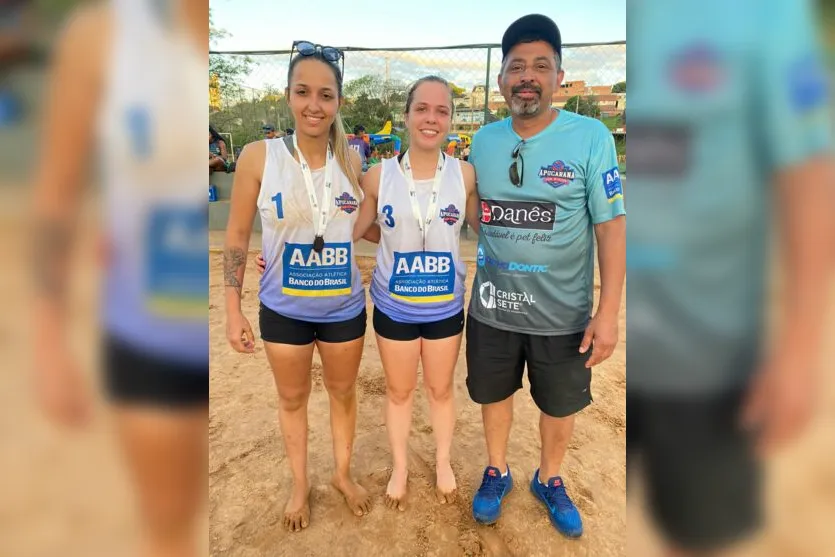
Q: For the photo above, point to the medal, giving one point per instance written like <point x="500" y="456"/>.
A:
<point x="318" y="244"/>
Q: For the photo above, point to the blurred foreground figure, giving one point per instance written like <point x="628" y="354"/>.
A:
<point x="728" y="164"/>
<point x="129" y="87"/>
<point x="15" y="48"/>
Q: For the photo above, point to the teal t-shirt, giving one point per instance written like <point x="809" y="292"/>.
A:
<point x="535" y="264"/>
<point x="721" y="96"/>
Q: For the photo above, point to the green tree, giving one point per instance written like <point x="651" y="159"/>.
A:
<point x="372" y="86"/>
<point x="619" y="87"/>
<point x="587" y="106"/>
<point x="371" y="101"/>
<point x="226" y="69"/>
<point x="503" y="112"/>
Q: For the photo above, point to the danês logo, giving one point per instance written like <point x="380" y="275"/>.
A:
<point x="496" y="298"/>
<point x="450" y="215"/>
<point x="556" y="174"/>
<point x="536" y="215"/>
<point x="347" y="203"/>
<point x="612" y="184"/>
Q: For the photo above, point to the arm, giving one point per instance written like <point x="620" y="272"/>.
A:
<point x="243" y="205"/>
<point x="611" y="258"/>
<point x="224" y="153"/>
<point x="364" y="226"/>
<point x="806" y="234"/>
<point x="71" y="104"/>
<point x="604" y="198"/>
<point x="473" y="210"/>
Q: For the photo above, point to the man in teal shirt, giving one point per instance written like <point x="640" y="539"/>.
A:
<point x="549" y="183"/>
<point x="729" y="134"/>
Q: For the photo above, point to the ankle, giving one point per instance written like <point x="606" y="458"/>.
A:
<point x="547" y="472"/>
<point x="501" y="465"/>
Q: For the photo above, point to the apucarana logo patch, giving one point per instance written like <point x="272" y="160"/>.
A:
<point x="556" y="174"/>
<point x="347" y="203"/>
<point x="612" y="185"/>
<point x="450" y="215"/>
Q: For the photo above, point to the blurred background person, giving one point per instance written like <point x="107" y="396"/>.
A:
<point x="730" y="171"/>
<point x="15" y="48"/>
<point x="142" y="129"/>
<point x="269" y="131"/>
<point x="218" y="153"/>
<point x="360" y="144"/>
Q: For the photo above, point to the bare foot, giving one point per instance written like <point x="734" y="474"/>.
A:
<point x="445" y="489"/>
<point x="297" y="510"/>
<point x="355" y="495"/>
<point x="397" y="490"/>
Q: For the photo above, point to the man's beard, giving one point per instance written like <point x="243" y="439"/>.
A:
<point x="520" y="107"/>
<point x="524" y="108"/>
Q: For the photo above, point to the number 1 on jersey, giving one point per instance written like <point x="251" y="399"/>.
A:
<point x="279" y="209"/>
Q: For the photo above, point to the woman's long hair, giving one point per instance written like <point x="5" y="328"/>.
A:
<point x="338" y="139"/>
<point x="216" y="137"/>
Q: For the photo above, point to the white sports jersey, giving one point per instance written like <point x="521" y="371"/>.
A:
<point x="298" y="282"/>
<point x="413" y="283"/>
<point x="154" y="185"/>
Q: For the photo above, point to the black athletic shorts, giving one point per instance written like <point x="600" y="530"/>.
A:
<point x="703" y="481"/>
<point x="132" y="376"/>
<point x="285" y="330"/>
<point x="388" y="328"/>
<point x="560" y="382"/>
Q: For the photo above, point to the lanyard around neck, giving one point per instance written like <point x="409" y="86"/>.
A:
<point x="321" y="213"/>
<point x="423" y="223"/>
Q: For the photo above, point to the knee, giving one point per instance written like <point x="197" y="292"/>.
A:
<point x="293" y="399"/>
<point x="439" y="392"/>
<point x="400" y="395"/>
<point x="341" y="390"/>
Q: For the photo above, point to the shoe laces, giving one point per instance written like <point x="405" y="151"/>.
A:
<point x="557" y="497"/>
<point x="491" y="486"/>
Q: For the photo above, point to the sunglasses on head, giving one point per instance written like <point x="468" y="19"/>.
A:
<point x="329" y="53"/>
<point x="516" y="171"/>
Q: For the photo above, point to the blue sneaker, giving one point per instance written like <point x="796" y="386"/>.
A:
<point x="487" y="503"/>
<point x="562" y="512"/>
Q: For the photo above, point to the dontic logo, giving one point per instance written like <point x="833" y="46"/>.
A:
<point x="347" y="203"/>
<point x="450" y="215"/>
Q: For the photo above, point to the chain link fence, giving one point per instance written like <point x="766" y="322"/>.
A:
<point x="246" y="89"/>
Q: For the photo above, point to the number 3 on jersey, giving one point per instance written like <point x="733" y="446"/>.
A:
<point x="279" y="209"/>
<point x="388" y="211"/>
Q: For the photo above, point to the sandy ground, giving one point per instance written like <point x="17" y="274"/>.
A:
<point x="250" y="477"/>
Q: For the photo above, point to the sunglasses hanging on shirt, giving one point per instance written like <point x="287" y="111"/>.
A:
<point x="517" y="168"/>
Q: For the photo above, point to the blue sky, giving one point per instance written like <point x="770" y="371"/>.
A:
<point x="275" y="24"/>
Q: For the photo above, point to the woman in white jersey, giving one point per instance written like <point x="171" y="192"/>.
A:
<point x="146" y="132"/>
<point x="306" y="190"/>
<point x="420" y="200"/>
